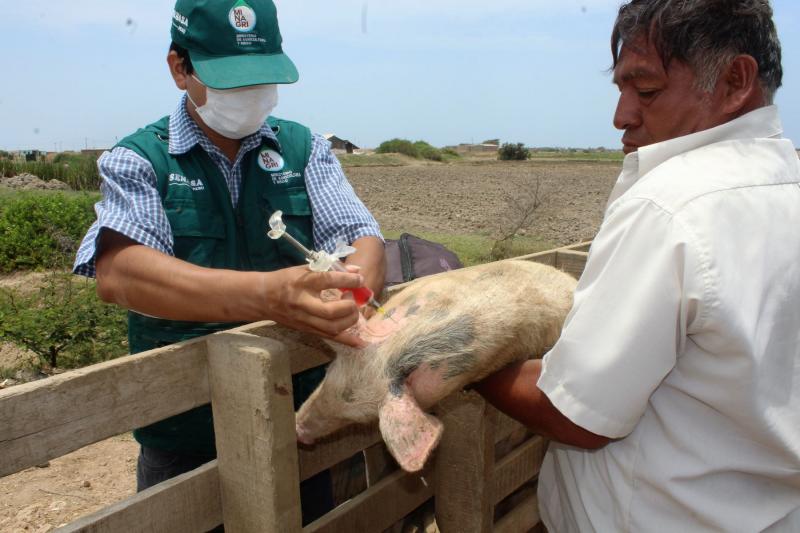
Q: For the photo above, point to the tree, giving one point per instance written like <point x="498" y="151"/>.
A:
<point x="521" y="208"/>
<point x="513" y="152"/>
<point x="63" y="323"/>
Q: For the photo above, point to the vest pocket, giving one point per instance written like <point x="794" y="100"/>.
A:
<point x="292" y="201"/>
<point x="198" y="234"/>
<point x="296" y="215"/>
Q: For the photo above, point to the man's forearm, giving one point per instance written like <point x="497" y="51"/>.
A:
<point x="513" y="390"/>
<point x="370" y="256"/>
<point x="142" y="279"/>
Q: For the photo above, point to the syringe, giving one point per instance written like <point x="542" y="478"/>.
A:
<point x="322" y="261"/>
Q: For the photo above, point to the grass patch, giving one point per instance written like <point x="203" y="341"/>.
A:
<point x="79" y="171"/>
<point x="474" y="249"/>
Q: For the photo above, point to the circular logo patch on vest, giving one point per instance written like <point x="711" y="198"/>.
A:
<point x="242" y="17"/>
<point x="270" y="160"/>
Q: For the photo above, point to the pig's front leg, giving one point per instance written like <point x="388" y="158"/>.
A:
<point x="410" y="434"/>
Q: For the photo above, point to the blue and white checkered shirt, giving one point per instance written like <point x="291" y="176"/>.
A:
<point x="132" y="206"/>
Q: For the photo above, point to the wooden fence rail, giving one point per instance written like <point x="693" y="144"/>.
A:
<point x="485" y="458"/>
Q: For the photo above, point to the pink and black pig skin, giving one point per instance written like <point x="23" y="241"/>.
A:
<point x="446" y="331"/>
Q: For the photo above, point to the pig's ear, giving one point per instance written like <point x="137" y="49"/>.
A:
<point x="410" y="434"/>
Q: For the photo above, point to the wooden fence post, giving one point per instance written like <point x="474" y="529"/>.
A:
<point x="251" y="396"/>
<point x="465" y="464"/>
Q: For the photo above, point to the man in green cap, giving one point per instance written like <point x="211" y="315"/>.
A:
<point x="181" y="238"/>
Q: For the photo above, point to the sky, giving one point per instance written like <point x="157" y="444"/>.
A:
<point x="85" y="73"/>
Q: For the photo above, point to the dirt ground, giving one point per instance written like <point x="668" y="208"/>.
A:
<point x="469" y="197"/>
<point x="473" y="197"/>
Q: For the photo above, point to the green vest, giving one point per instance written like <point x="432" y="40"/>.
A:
<point x="208" y="231"/>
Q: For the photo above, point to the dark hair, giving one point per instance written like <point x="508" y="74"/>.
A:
<point x="183" y="53"/>
<point x="704" y="34"/>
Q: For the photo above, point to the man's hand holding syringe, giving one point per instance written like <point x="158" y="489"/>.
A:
<point x="321" y="261"/>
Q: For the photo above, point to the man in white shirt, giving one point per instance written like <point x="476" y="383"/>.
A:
<point x="673" y="394"/>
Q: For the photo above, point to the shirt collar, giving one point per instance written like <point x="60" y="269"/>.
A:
<point x="758" y="124"/>
<point x="761" y="123"/>
<point x="184" y="132"/>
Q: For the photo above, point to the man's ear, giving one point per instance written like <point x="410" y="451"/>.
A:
<point x="742" y="86"/>
<point x="177" y="69"/>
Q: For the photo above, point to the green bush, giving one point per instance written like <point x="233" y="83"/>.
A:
<point x="513" y="152"/>
<point x="426" y="151"/>
<point x="79" y="171"/>
<point x="42" y="229"/>
<point x="63" y="323"/>
<point x="417" y="150"/>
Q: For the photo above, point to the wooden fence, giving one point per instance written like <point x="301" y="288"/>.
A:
<point x="482" y="475"/>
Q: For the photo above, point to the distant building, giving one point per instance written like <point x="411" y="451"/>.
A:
<point x="466" y="148"/>
<point x="28" y="155"/>
<point x="340" y="145"/>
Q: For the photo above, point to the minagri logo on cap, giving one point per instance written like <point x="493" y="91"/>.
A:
<point x="242" y="17"/>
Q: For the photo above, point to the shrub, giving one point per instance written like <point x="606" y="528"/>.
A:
<point x="42" y="229"/>
<point x="427" y="151"/>
<point x="63" y="323"/>
<point x="513" y="152"/>
<point x="417" y="150"/>
<point x="398" y="146"/>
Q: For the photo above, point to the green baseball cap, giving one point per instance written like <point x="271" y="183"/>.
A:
<point x="232" y="43"/>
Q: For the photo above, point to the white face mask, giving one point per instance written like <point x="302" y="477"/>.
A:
<point x="237" y="113"/>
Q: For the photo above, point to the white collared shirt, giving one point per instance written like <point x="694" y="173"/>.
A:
<point x="684" y="344"/>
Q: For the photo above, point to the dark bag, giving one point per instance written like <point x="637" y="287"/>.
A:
<point x="411" y="257"/>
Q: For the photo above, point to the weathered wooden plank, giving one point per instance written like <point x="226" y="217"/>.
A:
<point x="379" y="506"/>
<point x="505" y="426"/>
<point x="571" y="262"/>
<point x="335" y="448"/>
<point x="547" y="257"/>
<point x="522" y="518"/>
<point x="186" y="503"/>
<point x="251" y="396"/>
<point x="517" y="467"/>
<point x="379" y="463"/>
<point x="579" y="247"/>
<point x="464" y="464"/>
<point x="46" y="419"/>
<point x="306" y="351"/>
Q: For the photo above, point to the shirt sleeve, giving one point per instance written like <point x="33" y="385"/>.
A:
<point x="634" y="303"/>
<point x="130" y="205"/>
<point x="338" y="212"/>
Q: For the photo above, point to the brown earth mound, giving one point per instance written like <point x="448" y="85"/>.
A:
<point x="28" y="182"/>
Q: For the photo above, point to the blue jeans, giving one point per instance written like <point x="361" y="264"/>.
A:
<point x="155" y="466"/>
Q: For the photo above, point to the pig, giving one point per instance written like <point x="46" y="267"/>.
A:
<point x="436" y="336"/>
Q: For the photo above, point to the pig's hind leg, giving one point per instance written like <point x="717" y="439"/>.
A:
<point x="410" y="433"/>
